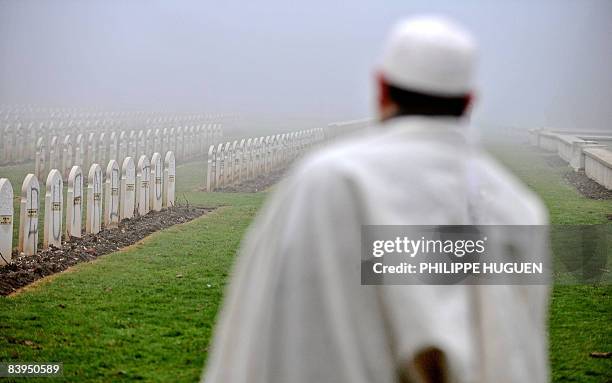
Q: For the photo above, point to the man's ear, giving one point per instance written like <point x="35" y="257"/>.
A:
<point x="382" y="90"/>
<point x="386" y="107"/>
<point x="469" y="103"/>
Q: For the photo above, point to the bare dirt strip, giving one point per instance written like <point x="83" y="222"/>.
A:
<point x="586" y="186"/>
<point x="24" y="270"/>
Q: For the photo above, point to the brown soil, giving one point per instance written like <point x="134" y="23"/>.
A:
<point x="24" y="270"/>
<point x="586" y="186"/>
<point x="257" y="184"/>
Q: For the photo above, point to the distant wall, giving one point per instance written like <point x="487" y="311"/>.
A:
<point x="591" y="152"/>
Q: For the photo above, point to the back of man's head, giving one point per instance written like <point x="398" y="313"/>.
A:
<point x="427" y="68"/>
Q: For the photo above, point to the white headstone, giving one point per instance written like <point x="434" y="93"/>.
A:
<point x="67" y="156"/>
<point x="172" y="141"/>
<point x="54" y="207"/>
<point x="102" y="151"/>
<point x="28" y="223"/>
<point x="54" y="153"/>
<point x="112" y="150"/>
<point x="157" y="141"/>
<point x="91" y="150"/>
<point x="93" y="223"/>
<point x="123" y="147"/>
<point x="74" y="203"/>
<point x="211" y="170"/>
<point x="164" y="141"/>
<point x="133" y="144"/>
<point x="147" y="143"/>
<point x="142" y="144"/>
<point x="157" y="174"/>
<point x="111" y="195"/>
<point x="127" y="197"/>
<point x="143" y="186"/>
<point x="219" y="167"/>
<point x="180" y="144"/>
<point x="6" y="221"/>
<point x="79" y="149"/>
<point x="241" y="161"/>
<point x="41" y="157"/>
<point x="169" y="180"/>
<point x="248" y="154"/>
<point x="229" y="163"/>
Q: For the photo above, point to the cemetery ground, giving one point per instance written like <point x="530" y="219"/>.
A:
<point x="147" y="312"/>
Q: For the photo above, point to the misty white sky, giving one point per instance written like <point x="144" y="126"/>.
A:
<point x="542" y="62"/>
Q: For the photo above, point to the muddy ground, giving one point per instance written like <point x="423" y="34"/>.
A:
<point x="586" y="186"/>
<point x="257" y="184"/>
<point x="27" y="269"/>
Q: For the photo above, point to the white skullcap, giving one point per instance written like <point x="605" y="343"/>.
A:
<point x="430" y="54"/>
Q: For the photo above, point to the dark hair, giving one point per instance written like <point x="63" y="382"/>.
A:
<point x="415" y="103"/>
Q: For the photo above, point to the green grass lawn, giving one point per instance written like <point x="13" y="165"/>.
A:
<point x="580" y="315"/>
<point x="146" y="313"/>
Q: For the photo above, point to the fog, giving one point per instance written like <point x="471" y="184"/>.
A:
<point x="544" y="63"/>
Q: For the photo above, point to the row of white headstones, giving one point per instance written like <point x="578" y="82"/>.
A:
<point x="238" y="161"/>
<point x="133" y="189"/>
<point x="63" y="152"/>
<point x="18" y="140"/>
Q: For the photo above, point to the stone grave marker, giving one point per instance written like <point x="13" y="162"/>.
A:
<point x="249" y="158"/>
<point x="133" y="144"/>
<point x="6" y="221"/>
<point x="54" y="207"/>
<point x="180" y="148"/>
<point x="211" y="169"/>
<point x="241" y="157"/>
<point x="220" y="165"/>
<point x="127" y="197"/>
<point x="74" y="203"/>
<point x="54" y="153"/>
<point x="142" y="144"/>
<point x="102" y="151"/>
<point x="67" y="156"/>
<point x="91" y="150"/>
<point x="111" y="195"/>
<point x="93" y="223"/>
<point x="28" y="224"/>
<point x="157" y="175"/>
<point x="169" y="180"/>
<point x="112" y="150"/>
<point x="143" y="186"/>
<point x="41" y="157"/>
<point x="79" y="150"/>
<point x="123" y="147"/>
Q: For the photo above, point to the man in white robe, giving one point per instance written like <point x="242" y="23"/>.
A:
<point x="296" y="310"/>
